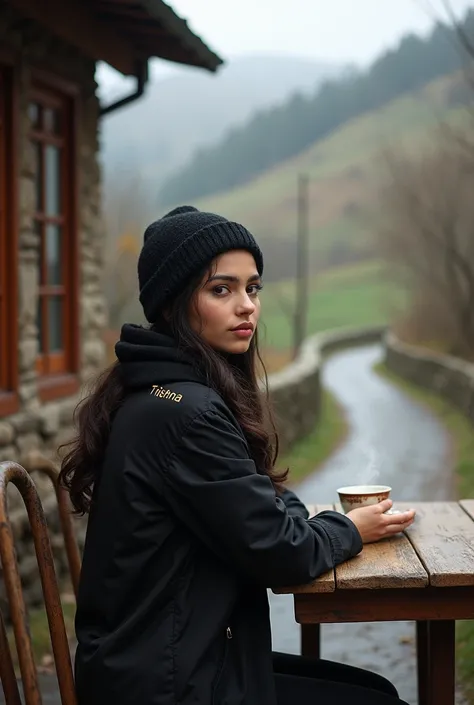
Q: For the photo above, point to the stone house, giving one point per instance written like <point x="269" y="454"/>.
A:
<point x="52" y="307"/>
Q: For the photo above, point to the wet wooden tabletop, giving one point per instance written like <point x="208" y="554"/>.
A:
<point x="436" y="551"/>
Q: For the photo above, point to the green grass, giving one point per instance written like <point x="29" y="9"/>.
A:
<point x="462" y="435"/>
<point x="356" y="295"/>
<point x="39" y="630"/>
<point x="310" y="452"/>
<point x="458" y="425"/>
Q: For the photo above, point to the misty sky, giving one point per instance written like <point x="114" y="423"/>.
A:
<point x="345" y="31"/>
<point x="341" y="30"/>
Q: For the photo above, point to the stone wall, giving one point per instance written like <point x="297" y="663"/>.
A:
<point x="37" y="426"/>
<point x="295" y="391"/>
<point x="448" y="376"/>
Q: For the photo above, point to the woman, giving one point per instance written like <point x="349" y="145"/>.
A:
<point x="189" y="522"/>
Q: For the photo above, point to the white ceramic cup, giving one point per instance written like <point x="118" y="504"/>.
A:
<point x="355" y="496"/>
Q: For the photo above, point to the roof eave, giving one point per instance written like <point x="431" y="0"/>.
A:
<point x="205" y="58"/>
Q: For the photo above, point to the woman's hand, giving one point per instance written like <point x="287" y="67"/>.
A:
<point x="373" y="524"/>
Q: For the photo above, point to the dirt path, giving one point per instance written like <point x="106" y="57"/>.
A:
<point x="394" y="441"/>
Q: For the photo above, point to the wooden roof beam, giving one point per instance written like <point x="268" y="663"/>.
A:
<point x="76" y="24"/>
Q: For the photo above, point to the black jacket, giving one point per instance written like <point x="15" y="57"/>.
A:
<point x="183" y="539"/>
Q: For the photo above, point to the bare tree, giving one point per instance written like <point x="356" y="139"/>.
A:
<point x="428" y="216"/>
<point x="428" y="234"/>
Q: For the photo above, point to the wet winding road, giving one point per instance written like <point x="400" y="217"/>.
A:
<point x="393" y="441"/>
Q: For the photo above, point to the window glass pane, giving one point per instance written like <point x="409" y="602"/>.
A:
<point x="39" y="325"/>
<point x="34" y="113"/>
<point x="38" y="172"/>
<point x="53" y="179"/>
<point x="53" y="254"/>
<point x="55" y="323"/>
<point x="51" y="121"/>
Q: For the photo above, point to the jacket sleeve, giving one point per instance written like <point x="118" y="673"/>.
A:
<point x="293" y="504"/>
<point x="212" y="486"/>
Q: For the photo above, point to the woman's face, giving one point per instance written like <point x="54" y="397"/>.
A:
<point x="227" y="308"/>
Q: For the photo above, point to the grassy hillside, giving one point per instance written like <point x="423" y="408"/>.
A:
<point x="355" y="295"/>
<point x="344" y="170"/>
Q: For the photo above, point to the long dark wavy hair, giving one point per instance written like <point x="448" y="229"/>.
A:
<point x="235" y="377"/>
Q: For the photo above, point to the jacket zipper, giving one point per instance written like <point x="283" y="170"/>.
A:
<point x="228" y="634"/>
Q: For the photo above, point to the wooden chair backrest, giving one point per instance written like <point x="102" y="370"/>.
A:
<point x="35" y="462"/>
<point x="12" y="472"/>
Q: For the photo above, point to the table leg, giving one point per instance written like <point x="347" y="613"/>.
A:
<point x="423" y="662"/>
<point x="311" y="640"/>
<point x="441" y="662"/>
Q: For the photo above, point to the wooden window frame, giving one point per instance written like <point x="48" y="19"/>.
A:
<point x="9" y="155"/>
<point x="59" y="376"/>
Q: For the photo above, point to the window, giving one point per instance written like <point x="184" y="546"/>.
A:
<point x="51" y="125"/>
<point x="8" y="262"/>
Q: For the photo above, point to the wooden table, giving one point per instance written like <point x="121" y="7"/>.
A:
<point x="425" y="575"/>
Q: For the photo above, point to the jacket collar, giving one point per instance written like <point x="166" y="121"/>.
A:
<point x="148" y="357"/>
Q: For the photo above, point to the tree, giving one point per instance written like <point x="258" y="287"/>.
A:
<point x="123" y="273"/>
<point x="428" y="234"/>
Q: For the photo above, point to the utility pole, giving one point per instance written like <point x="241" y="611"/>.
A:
<point x="302" y="265"/>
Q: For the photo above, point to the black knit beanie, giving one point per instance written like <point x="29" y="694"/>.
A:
<point x="180" y="244"/>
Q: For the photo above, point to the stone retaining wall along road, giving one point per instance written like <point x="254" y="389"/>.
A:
<point x="450" y="377"/>
<point x="295" y="391"/>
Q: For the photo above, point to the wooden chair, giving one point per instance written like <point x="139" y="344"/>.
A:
<point x="35" y="462"/>
<point x="12" y="472"/>
<point x="7" y="671"/>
